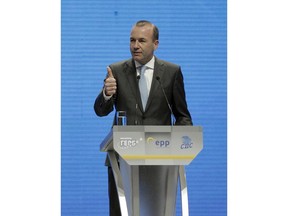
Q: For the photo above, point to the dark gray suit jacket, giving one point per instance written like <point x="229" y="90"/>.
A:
<point x="157" y="111"/>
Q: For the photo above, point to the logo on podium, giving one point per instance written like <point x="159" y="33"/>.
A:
<point x="186" y="142"/>
<point x="159" y="143"/>
<point x="127" y="142"/>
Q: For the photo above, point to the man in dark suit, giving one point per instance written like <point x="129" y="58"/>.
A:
<point x="163" y="93"/>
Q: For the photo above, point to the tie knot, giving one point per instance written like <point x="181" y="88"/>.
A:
<point x="142" y="68"/>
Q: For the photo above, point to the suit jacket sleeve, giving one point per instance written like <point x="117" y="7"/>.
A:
<point x="179" y="104"/>
<point x="102" y="106"/>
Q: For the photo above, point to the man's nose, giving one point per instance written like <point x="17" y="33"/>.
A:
<point x="136" y="45"/>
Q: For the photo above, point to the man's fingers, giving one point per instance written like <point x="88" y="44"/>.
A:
<point x="110" y="83"/>
<point x="109" y="71"/>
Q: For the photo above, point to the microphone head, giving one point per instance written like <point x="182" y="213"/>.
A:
<point x="138" y="77"/>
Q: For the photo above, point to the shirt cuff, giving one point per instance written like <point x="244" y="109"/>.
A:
<point x="105" y="96"/>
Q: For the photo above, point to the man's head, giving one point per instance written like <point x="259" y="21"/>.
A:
<point x="144" y="40"/>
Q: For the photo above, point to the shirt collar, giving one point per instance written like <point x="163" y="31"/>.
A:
<point x="149" y="64"/>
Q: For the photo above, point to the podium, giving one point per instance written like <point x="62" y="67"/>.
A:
<point x="148" y="162"/>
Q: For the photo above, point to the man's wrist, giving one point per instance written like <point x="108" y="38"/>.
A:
<point x="106" y="97"/>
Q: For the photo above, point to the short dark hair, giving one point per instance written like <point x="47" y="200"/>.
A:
<point x="141" y="23"/>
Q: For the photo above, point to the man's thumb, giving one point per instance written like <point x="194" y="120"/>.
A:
<point x="109" y="71"/>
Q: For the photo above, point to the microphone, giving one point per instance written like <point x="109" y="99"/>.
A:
<point x="138" y="76"/>
<point x="169" y="106"/>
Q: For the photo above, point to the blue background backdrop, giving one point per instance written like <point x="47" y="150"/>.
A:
<point x="95" y="34"/>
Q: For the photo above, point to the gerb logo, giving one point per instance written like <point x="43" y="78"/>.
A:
<point x="187" y="143"/>
<point x="158" y="143"/>
<point x="127" y="143"/>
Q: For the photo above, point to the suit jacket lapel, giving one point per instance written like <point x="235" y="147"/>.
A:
<point x="158" y="71"/>
<point x="130" y="71"/>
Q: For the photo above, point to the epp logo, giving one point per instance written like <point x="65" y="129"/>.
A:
<point x="158" y="143"/>
<point x="186" y="142"/>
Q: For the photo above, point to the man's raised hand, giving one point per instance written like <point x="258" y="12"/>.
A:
<point x="110" y="83"/>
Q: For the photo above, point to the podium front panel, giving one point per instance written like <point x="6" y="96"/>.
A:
<point x="157" y="145"/>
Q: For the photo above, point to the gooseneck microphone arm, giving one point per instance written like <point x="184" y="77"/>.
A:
<point x="136" y="105"/>
<point x="169" y="106"/>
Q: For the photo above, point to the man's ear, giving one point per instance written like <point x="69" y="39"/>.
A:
<point x="156" y="43"/>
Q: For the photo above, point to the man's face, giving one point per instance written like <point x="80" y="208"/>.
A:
<point x="142" y="45"/>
